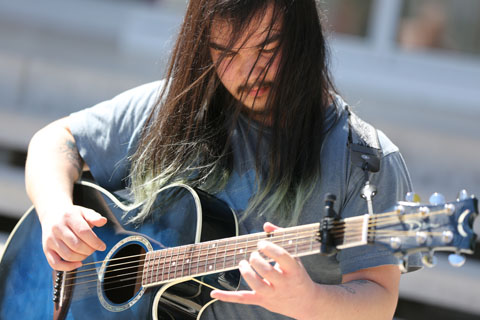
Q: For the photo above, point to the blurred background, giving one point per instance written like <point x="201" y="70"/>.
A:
<point x="410" y="67"/>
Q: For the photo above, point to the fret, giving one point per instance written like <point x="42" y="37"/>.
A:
<point x="164" y="264"/>
<point x="216" y="254"/>
<point x="230" y="251"/>
<point x="189" y="259"/>
<point x="167" y="261"/>
<point x="235" y="253"/>
<point x="296" y="242"/>
<point x="146" y="265"/>
<point x="246" y="248"/>
<point x="208" y="263"/>
<point x="225" y="255"/>
<point x="182" y="261"/>
<point x="197" y="258"/>
<point x="206" y="258"/>
<point x="207" y="248"/>
<point x="174" y="263"/>
<point x="170" y="262"/>
<point x="152" y="266"/>
<point x="157" y="256"/>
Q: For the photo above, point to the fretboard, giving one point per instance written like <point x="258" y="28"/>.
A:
<point x="194" y="260"/>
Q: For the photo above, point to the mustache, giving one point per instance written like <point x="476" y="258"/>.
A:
<point x="247" y="87"/>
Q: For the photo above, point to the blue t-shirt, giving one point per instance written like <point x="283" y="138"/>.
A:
<point x="108" y="133"/>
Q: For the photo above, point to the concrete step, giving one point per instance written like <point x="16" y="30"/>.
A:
<point x="445" y="286"/>
<point x="58" y="57"/>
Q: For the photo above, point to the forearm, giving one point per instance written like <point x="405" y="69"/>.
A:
<point x="357" y="298"/>
<point x="53" y="165"/>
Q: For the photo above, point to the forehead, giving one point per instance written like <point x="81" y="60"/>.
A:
<point x="260" y="27"/>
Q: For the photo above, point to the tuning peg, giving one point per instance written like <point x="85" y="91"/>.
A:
<point x="429" y="260"/>
<point x="462" y="195"/>
<point x="456" y="260"/>
<point x="412" y="197"/>
<point x="437" y="199"/>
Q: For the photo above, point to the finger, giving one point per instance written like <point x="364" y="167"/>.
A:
<point x="281" y="256"/>
<point x="72" y="241"/>
<point x="242" y="296"/>
<point x="264" y="269"/>
<point x="83" y="231"/>
<point x="67" y="254"/>
<point x="251" y="277"/>
<point x="93" y="218"/>
<point x="270" y="227"/>
<point x="57" y="263"/>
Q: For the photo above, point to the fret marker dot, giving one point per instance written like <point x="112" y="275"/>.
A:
<point x="188" y="260"/>
<point x="290" y="242"/>
<point x="213" y="245"/>
<point x="210" y="267"/>
<point x="241" y="250"/>
<point x="173" y="263"/>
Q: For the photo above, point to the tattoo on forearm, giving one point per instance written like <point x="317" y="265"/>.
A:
<point x="347" y="288"/>
<point x="70" y="150"/>
<point x="351" y="290"/>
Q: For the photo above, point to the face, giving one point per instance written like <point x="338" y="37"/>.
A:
<point x="247" y="70"/>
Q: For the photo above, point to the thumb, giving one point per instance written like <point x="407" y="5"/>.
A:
<point x="93" y="218"/>
<point x="269" y="227"/>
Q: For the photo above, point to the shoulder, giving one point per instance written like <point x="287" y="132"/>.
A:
<point x="144" y="95"/>
<point x="347" y="122"/>
<point x="132" y="105"/>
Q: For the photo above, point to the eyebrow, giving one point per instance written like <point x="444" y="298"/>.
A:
<point x="267" y="41"/>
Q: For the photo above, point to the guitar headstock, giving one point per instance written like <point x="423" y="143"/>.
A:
<point x="413" y="227"/>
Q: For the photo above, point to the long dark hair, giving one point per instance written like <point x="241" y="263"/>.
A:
<point x="187" y="136"/>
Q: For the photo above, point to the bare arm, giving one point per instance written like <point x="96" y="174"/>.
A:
<point x="53" y="165"/>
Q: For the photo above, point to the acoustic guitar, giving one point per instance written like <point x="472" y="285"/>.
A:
<point x="166" y="267"/>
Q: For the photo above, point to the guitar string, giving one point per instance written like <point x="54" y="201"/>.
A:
<point x="137" y="276"/>
<point x="387" y="221"/>
<point x="204" y="245"/>
<point x="200" y="262"/>
<point x="130" y="257"/>
<point x="168" y="276"/>
<point x="259" y="236"/>
<point x="376" y="222"/>
<point x="199" y="255"/>
<point x="203" y="263"/>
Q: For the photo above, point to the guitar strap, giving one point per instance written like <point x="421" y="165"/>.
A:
<point x="365" y="152"/>
<point x="363" y="143"/>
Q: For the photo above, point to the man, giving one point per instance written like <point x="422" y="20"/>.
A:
<point x="247" y="112"/>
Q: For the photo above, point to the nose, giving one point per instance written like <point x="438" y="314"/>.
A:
<point x="250" y="65"/>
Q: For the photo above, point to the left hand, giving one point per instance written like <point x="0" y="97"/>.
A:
<point x="285" y="288"/>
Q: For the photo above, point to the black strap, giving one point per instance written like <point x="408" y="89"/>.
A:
<point x="363" y="143"/>
<point x="366" y="153"/>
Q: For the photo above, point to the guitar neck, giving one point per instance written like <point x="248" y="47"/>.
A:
<point x="222" y="255"/>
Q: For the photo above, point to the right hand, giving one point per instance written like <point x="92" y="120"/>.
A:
<point x="68" y="238"/>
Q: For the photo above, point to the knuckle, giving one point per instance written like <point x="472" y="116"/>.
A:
<point x="84" y="232"/>
<point x="56" y="229"/>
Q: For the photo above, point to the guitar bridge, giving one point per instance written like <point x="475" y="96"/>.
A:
<point x="62" y="293"/>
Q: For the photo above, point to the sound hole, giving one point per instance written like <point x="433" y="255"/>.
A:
<point x="123" y="275"/>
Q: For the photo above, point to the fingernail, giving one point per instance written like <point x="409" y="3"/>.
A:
<point x="262" y="244"/>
